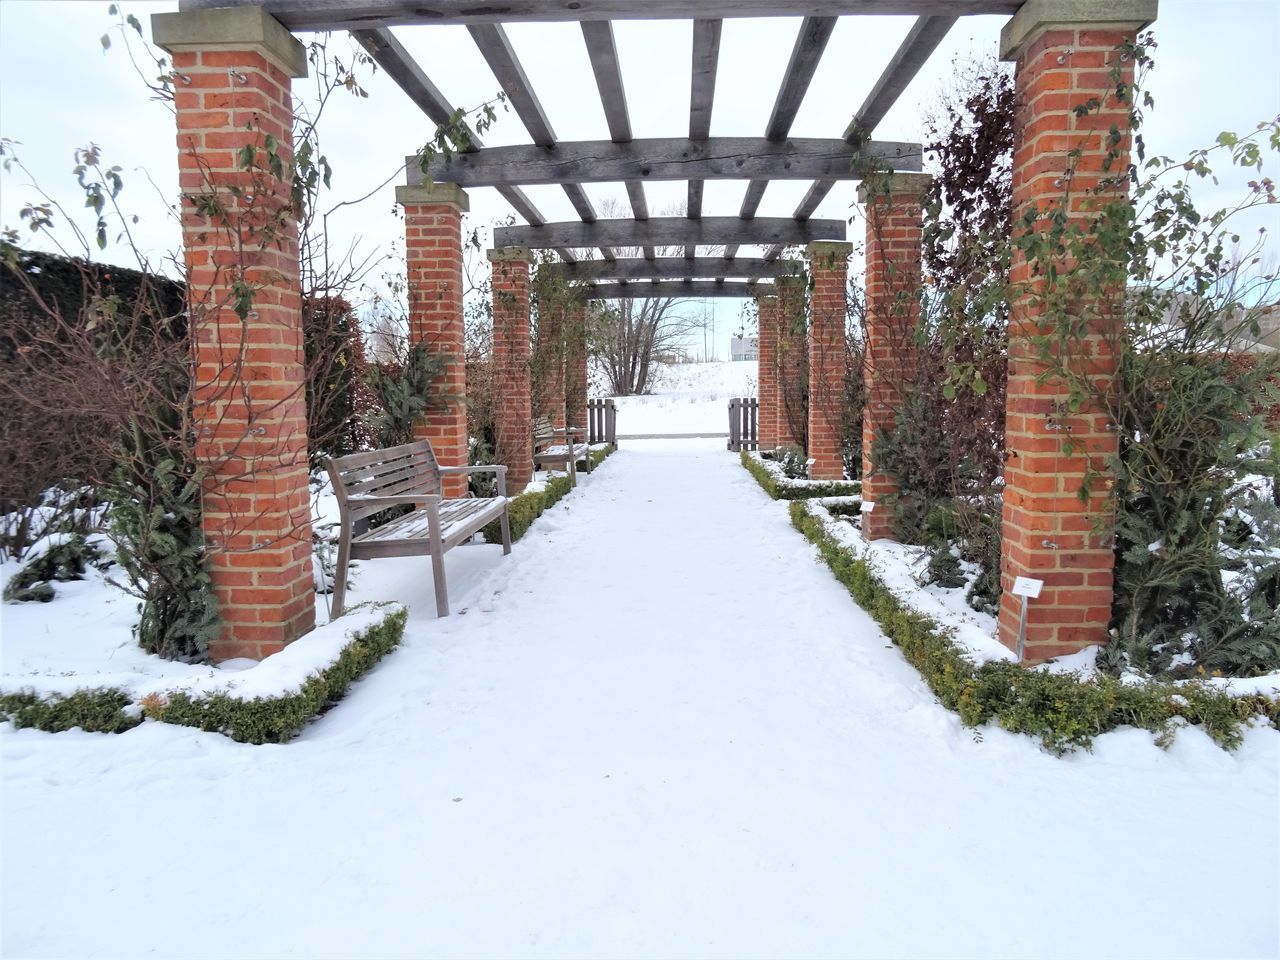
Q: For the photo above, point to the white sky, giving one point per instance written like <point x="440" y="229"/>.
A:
<point x="1217" y="69"/>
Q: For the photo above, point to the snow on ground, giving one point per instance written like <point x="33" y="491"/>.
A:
<point x="688" y="398"/>
<point x="658" y="728"/>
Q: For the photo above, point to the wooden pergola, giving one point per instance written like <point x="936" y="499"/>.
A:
<point x="238" y="57"/>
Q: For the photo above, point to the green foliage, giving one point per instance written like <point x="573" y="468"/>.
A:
<point x="279" y="719"/>
<point x="405" y="393"/>
<point x="522" y="510"/>
<point x="66" y="561"/>
<point x="1063" y="711"/>
<point x="1188" y="414"/>
<point x="262" y="720"/>
<point x="781" y="490"/>
<point x="94" y="711"/>
<point x="792" y="461"/>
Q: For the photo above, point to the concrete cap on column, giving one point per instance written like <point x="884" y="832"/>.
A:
<point x="1036" y="16"/>
<point x="509" y="254"/>
<point x="231" y="28"/>
<point x="438" y="194"/>
<point x="894" y="185"/>
<point x="828" y="250"/>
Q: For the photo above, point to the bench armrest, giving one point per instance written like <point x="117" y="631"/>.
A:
<point x="499" y="468"/>
<point x="477" y="468"/>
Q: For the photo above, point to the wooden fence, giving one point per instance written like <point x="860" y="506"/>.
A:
<point x="744" y="414"/>
<point x="602" y="422"/>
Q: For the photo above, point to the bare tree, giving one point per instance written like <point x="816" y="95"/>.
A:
<point x="628" y="337"/>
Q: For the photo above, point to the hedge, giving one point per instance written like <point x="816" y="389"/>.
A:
<point x="784" y="489"/>
<point x="528" y="507"/>
<point x="261" y="720"/>
<point x="1064" y="711"/>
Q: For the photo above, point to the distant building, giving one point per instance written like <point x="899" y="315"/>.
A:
<point x="744" y="348"/>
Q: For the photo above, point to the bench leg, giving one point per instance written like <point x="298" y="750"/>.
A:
<point x="437" y="562"/>
<point x="506" y="532"/>
<point x="340" y="576"/>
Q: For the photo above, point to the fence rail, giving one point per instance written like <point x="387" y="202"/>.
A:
<point x="602" y="422"/>
<point x="744" y="416"/>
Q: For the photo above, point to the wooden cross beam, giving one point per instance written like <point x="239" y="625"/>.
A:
<point x="921" y="40"/>
<point x="702" y="93"/>
<point x="673" y="268"/>
<point x="721" y="158"/>
<point x="676" y="290"/>
<point x="390" y="54"/>
<point x="367" y="14"/>
<point x="669" y="232"/>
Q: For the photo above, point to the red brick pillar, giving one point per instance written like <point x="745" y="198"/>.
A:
<point x="575" y="366"/>
<point x="433" y="261"/>
<point x="767" y="304"/>
<point x="829" y="270"/>
<point x="893" y="311"/>
<point x="549" y="362"/>
<point x="1064" y="52"/>
<point x="234" y="68"/>
<point x="514" y="405"/>
<point x="793" y="358"/>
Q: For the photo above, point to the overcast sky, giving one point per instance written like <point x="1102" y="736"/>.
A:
<point x="1218" y="68"/>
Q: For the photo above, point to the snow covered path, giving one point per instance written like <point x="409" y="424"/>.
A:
<point x="721" y="758"/>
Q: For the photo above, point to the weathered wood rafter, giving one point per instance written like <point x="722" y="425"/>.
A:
<point x="912" y="54"/>
<point x="492" y="42"/>
<point x="603" y="53"/>
<point x="675" y="289"/>
<point x="673" y="268"/>
<point x="720" y="158"/>
<point x="669" y="232"/>
<point x="702" y="94"/>
<point x="361" y="14"/>
<point x="390" y="54"/>
<point x="810" y="43"/>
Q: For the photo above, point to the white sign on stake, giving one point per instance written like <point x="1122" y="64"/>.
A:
<point x="868" y="506"/>
<point x="1027" y="587"/>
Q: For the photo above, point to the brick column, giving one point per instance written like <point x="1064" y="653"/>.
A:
<point x="575" y="366"/>
<point x="767" y="307"/>
<point x="433" y="262"/>
<point x="514" y="405"/>
<point x="829" y="269"/>
<point x="234" y="68"/>
<point x="1064" y="50"/>
<point x="893" y="311"/>
<point x="549" y="362"/>
<point x="793" y="358"/>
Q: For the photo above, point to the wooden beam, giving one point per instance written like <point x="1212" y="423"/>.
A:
<point x="669" y="232"/>
<point x="702" y="95"/>
<point x="495" y="47"/>
<point x="721" y="158"/>
<point x="673" y="268"/>
<point x="676" y="290"/>
<point x="603" y="53"/>
<point x="806" y="54"/>
<point x="390" y="54"/>
<point x="361" y="14"/>
<point x="912" y="54"/>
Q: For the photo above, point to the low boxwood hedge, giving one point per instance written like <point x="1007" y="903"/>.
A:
<point x="781" y="489"/>
<point x="261" y="720"/>
<point x="1063" y="710"/>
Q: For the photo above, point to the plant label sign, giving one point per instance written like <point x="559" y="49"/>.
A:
<point x="868" y="506"/>
<point x="1027" y="587"/>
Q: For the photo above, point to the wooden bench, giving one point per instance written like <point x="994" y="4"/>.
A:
<point x="368" y="483"/>
<point x="556" y="445"/>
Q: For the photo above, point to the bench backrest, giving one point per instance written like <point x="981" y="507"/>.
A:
<point x="542" y="429"/>
<point x="408" y="468"/>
